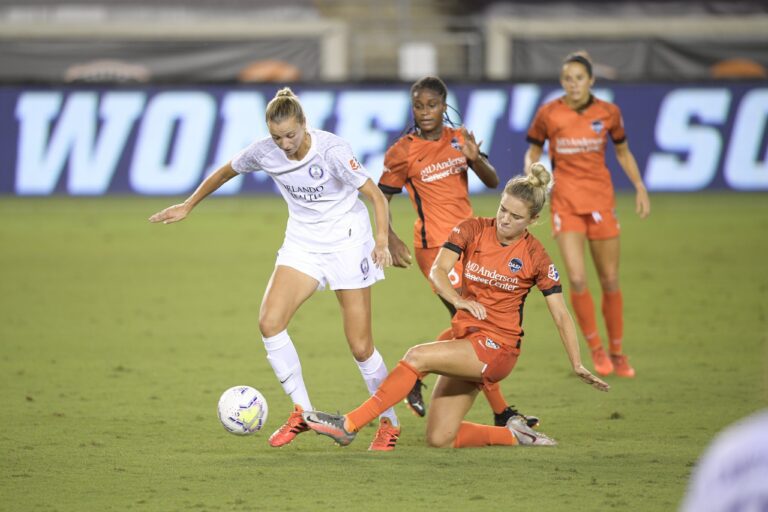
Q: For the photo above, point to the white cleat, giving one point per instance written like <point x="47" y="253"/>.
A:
<point x="525" y="435"/>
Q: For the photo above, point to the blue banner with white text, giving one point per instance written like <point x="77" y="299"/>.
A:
<point x="164" y="140"/>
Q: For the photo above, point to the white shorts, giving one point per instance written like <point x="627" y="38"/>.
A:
<point x="347" y="269"/>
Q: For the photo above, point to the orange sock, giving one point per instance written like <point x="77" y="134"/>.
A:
<point x="445" y="335"/>
<point x="585" y="315"/>
<point x="495" y="399"/>
<point x="395" y="387"/>
<point x="471" y="435"/>
<point x="613" y="306"/>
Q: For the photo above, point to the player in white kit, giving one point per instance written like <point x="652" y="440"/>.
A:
<point x="328" y="242"/>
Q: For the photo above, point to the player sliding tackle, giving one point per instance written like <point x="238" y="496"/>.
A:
<point x="487" y="327"/>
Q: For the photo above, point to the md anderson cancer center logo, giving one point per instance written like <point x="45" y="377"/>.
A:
<point x="573" y="145"/>
<point x="440" y="170"/>
<point x="478" y="273"/>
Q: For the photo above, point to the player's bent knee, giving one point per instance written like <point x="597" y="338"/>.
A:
<point x="416" y="358"/>
<point x="440" y="440"/>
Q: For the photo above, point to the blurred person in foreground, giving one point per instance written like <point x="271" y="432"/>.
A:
<point x="328" y="242"/>
<point x="732" y="474"/>
<point x="432" y="162"/>
<point x="502" y="263"/>
<point x="577" y="126"/>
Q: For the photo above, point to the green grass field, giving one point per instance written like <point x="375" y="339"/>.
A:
<point x="117" y="337"/>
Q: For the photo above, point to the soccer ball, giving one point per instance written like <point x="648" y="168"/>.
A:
<point x="243" y="410"/>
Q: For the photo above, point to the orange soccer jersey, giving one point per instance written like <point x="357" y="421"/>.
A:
<point x="577" y="140"/>
<point x="435" y="175"/>
<point x="499" y="277"/>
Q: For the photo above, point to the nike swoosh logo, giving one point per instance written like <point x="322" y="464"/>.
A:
<point x="286" y="379"/>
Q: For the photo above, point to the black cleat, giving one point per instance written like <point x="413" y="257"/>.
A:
<point x="415" y="401"/>
<point x="501" y="419"/>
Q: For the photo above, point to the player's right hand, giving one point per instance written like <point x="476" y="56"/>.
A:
<point x="171" y="214"/>
<point x="475" y="308"/>
<point x="381" y="256"/>
<point x="401" y="255"/>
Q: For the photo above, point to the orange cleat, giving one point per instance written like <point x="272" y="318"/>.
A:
<point x="621" y="366"/>
<point x="294" y="426"/>
<point x="602" y="362"/>
<point x="386" y="437"/>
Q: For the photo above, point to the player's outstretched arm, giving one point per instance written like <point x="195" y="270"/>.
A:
<point x="381" y="255"/>
<point x="180" y="211"/>
<point x="567" y="330"/>
<point x="401" y="254"/>
<point x="477" y="161"/>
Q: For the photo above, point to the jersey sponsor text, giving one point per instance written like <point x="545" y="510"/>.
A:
<point x="439" y="170"/>
<point x="478" y="273"/>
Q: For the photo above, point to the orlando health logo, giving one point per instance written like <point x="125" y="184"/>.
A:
<point x="316" y="171"/>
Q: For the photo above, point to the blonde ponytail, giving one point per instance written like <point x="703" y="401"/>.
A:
<point x="285" y="105"/>
<point x="531" y="188"/>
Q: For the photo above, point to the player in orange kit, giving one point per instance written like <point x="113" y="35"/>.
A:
<point x="502" y="263"/>
<point x="577" y="126"/>
<point x="431" y="162"/>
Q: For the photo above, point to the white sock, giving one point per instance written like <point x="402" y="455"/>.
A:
<point x="374" y="372"/>
<point x="284" y="359"/>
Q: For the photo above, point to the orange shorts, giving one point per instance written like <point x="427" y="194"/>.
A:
<point x="426" y="257"/>
<point x="499" y="358"/>
<point x="599" y="225"/>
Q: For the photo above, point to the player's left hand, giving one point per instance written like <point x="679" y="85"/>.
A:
<point x="471" y="148"/>
<point x="590" y="379"/>
<point x="642" y="203"/>
<point x="171" y="214"/>
<point x="381" y="256"/>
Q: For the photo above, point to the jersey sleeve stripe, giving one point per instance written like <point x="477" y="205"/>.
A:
<point x="453" y="247"/>
<point x="554" y="289"/>
<point x="389" y="190"/>
<point x="531" y="140"/>
<point x="619" y="141"/>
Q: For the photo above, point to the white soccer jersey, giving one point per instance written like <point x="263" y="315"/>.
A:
<point x="733" y="473"/>
<point x="324" y="211"/>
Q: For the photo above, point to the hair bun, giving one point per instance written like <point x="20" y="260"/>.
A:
<point x="539" y="176"/>
<point x="285" y="91"/>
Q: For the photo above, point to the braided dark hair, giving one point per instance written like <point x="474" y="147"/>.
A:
<point x="436" y="85"/>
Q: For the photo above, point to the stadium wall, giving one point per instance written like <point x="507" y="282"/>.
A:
<point x="150" y="140"/>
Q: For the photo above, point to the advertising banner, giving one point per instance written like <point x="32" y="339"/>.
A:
<point x="164" y="140"/>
